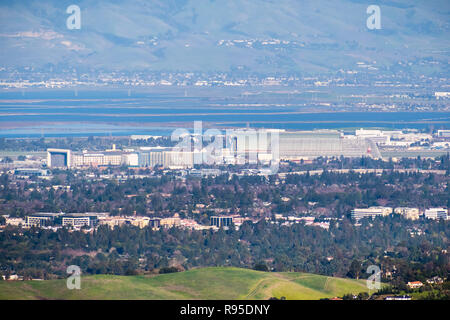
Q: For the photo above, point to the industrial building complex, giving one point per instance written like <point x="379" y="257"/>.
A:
<point x="263" y="146"/>
<point x="237" y="147"/>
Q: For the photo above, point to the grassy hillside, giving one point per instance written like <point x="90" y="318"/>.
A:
<point x="205" y="283"/>
<point x="184" y="35"/>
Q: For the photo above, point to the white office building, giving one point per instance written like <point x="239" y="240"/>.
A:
<point x="436" y="213"/>
<point x="372" y="212"/>
<point x="408" y="213"/>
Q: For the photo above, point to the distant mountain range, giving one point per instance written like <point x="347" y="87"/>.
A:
<point x="267" y="36"/>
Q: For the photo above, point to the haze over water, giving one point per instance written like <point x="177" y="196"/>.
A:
<point x="113" y="113"/>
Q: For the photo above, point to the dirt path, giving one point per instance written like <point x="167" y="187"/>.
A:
<point x="271" y="277"/>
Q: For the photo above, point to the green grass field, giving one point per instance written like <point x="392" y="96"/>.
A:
<point x="204" y="283"/>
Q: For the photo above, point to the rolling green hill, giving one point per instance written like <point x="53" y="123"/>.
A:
<point x="204" y="283"/>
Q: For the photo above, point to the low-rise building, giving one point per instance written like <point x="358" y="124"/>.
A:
<point x="41" y="219"/>
<point x="435" y="280"/>
<point x="403" y="297"/>
<point x="14" y="221"/>
<point x="372" y="212"/>
<point x="31" y="172"/>
<point x="414" y="284"/>
<point x="443" y="133"/>
<point x="111" y="221"/>
<point x="408" y="213"/>
<point x="13" y="277"/>
<point x="165" y="157"/>
<point x="221" y="221"/>
<point x="140" y="222"/>
<point x="78" y="220"/>
<point x="171" y="221"/>
<point x="436" y="213"/>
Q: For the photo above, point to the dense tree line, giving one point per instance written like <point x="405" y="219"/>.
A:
<point x="344" y="250"/>
<point x="331" y="194"/>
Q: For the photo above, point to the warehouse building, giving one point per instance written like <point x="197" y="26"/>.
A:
<point x="314" y="144"/>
